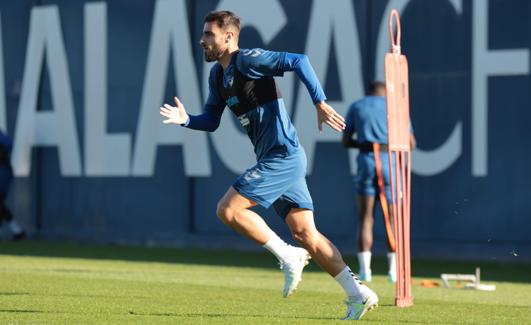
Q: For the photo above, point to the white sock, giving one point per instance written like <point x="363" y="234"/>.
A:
<point x="391" y="261"/>
<point x="14" y="227"/>
<point x="351" y="285"/>
<point x="278" y="247"/>
<point x="364" y="260"/>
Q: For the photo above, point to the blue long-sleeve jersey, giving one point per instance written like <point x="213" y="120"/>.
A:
<point x="247" y="87"/>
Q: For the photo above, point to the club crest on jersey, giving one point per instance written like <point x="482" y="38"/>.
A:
<point x="228" y="77"/>
<point x="229" y="82"/>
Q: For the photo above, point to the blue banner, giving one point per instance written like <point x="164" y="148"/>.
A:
<point x="81" y="83"/>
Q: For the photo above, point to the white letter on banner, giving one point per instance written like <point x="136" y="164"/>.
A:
<point x="487" y="63"/>
<point x="47" y="128"/>
<point x="170" y="28"/>
<point x="105" y="155"/>
<point x="233" y="147"/>
<point x="330" y="19"/>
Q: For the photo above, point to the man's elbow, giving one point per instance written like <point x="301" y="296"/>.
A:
<point x="346" y="139"/>
<point x="212" y="127"/>
<point x="300" y="60"/>
<point x="305" y="59"/>
<point x="345" y="143"/>
<point x="413" y="142"/>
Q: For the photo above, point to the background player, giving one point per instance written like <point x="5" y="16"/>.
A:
<point x="367" y="118"/>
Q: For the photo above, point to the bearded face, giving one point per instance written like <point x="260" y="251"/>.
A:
<point x="212" y="53"/>
<point x="213" y="42"/>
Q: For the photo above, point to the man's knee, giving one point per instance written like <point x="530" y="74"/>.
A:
<point x="367" y="221"/>
<point x="307" y="237"/>
<point x="225" y="212"/>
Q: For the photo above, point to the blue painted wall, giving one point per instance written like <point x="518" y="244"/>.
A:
<point x="454" y="211"/>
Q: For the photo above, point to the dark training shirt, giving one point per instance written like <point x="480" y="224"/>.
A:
<point x="248" y="88"/>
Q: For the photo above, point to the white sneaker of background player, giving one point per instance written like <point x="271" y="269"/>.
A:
<point x="293" y="270"/>
<point x="358" y="306"/>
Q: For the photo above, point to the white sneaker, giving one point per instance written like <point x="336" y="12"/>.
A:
<point x="358" y="306"/>
<point x="293" y="270"/>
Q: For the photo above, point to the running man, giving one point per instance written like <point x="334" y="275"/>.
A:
<point x="367" y="118"/>
<point x="243" y="80"/>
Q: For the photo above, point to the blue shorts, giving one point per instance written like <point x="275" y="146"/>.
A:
<point x="366" y="180"/>
<point x="278" y="181"/>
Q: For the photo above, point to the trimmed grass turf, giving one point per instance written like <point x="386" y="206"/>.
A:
<point x="48" y="283"/>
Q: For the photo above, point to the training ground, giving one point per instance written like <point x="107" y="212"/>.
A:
<point x="47" y="283"/>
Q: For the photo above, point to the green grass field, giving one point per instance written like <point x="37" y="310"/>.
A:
<point x="48" y="283"/>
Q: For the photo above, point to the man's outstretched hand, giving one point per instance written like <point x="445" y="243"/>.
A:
<point x="326" y="114"/>
<point x="174" y="114"/>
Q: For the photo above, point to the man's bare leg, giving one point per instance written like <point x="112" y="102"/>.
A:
<point x="366" y="217"/>
<point x="391" y="254"/>
<point x="302" y="226"/>
<point x="365" y="239"/>
<point x="360" y="298"/>
<point x="233" y="210"/>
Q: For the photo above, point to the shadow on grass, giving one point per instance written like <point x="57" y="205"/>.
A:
<point x="224" y="315"/>
<point x="20" y="311"/>
<point x="286" y="317"/>
<point x="14" y="293"/>
<point x="490" y="271"/>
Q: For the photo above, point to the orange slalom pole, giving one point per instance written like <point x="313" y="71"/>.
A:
<point x="407" y="227"/>
<point x="397" y="91"/>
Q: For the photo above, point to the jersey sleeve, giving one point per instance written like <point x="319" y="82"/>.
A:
<point x="213" y="109"/>
<point x="258" y="63"/>
<point x="304" y="70"/>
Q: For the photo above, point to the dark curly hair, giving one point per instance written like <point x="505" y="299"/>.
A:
<point x="223" y="18"/>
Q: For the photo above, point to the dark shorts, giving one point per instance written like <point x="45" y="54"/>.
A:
<point x="277" y="181"/>
<point x="366" y="180"/>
